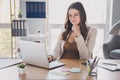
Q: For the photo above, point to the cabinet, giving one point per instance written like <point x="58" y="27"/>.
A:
<point x="35" y="12"/>
<point x="35" y="38"/>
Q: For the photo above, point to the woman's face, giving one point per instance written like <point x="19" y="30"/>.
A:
<point x="74" y="16"/>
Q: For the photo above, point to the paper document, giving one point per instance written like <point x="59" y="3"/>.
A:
<point x="112" y="66"/>
<point x="9" y="62"/>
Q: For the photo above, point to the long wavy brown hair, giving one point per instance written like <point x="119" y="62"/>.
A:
<point x="68" y="25"/>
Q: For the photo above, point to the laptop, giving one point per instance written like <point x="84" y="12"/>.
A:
<point x="35" y="54"/>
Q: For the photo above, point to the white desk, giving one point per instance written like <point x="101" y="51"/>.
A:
<point x="103" y="74"/>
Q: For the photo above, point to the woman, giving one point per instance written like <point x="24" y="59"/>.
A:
<point x="78" y="39"/>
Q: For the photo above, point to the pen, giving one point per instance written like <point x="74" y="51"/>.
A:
<point x="88" y="66"/>
<point x="112" y="64"/>
<point x="93" y="62"/>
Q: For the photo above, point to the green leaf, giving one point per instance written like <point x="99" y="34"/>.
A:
<point x="22" y="65"/>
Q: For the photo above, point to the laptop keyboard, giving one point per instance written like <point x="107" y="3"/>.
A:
<point x="55" y="64"/>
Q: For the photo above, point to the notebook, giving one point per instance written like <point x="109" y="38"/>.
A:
<point x="35" y="54"/>
<point x="111" y="66"/>
<point x="9" y="62"/>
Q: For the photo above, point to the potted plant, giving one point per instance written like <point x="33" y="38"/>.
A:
<point x="21" y="68"/>
<point x="19" y="14"/>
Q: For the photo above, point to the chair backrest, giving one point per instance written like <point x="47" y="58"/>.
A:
<point x="116" y="41"/>
<point x="112" y="43"/>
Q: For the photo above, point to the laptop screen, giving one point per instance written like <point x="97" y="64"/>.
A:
<point x="33" y="53"/>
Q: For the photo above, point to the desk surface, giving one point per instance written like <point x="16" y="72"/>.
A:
<point x="103" y="74"/>
<point x="36" y="73"/>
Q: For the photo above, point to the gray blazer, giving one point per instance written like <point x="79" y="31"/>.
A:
<point x="85" y="47"/>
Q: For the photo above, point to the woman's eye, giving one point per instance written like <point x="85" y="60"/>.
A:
<point x="76" y="15"/>
<point x="70" y="15"/>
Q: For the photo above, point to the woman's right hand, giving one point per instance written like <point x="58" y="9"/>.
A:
<point x="76" y="30"/>
<point x="50" y="58"/>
